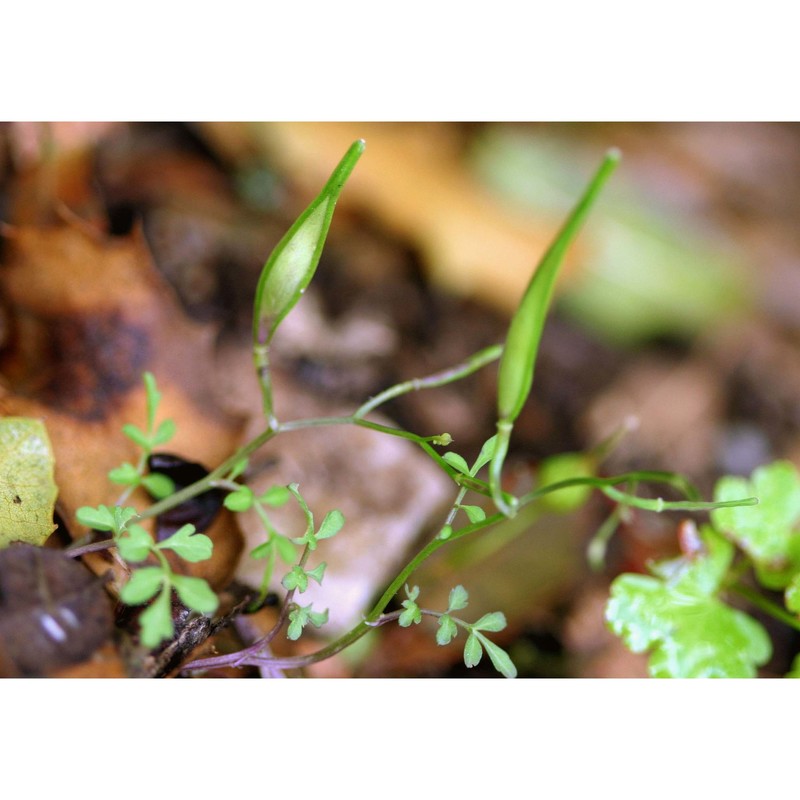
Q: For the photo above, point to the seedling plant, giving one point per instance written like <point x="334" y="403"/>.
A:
<point x="676" y="614"/>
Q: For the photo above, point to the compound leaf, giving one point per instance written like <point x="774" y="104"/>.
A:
<point x="678" y="619"/>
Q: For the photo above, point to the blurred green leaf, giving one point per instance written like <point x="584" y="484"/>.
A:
<point x="472" y="651"/>
<point x="474" y="513"/>
<point x="651" y="270"/>
<point x="99" y="519"/>
<point x="142" y="585"/>
<point x="317" y="573"/>
<point x="189" y="545"/>
<point x="137" y="436"/>
<point x="768" y="532"/>
<point x="240" y="499"/>
<point x="126" y="475"/>
<point x="164" y="432"/>
<point x="496" y="621"/>
<point x="195" y="593"/>
<point x="411" y="615"/>
<point x="275" y="496"/>
<point x="678" y="619"/>
<point x="457" y="462"/>
<point x="156" y="620"/>
<point x="285" y="547"/>
<point x="485" y="456"/>
<point x="562" y="467"/>
<point x="159" y="485"/>
<point x="331" y="525"/>
<point x="500" y="659"/>
<point x="458" y="598"/>
<point x="296" y="578"/>
<point x="792" y="594"/>
<point x="446" y="631"/>
<point x="135" y="544"/>
<point x="300" y="616"/>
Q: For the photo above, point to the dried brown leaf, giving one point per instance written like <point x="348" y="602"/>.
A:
<point x="53" y="612"/>
<point x="87" y="316"/>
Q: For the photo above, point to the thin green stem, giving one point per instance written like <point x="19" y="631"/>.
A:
<point x="596" y="549"/>
<point x="251" y="656"/>
<point x="206" y="483"/>
<point x="457" y="372"/>
<point x="766" y="605"/>
<point x="509" y="509"/>
<point x="76" y="551"/>
<point x="461" y="370"/>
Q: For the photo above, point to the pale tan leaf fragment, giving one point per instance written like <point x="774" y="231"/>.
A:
<point x="27" y="489"/>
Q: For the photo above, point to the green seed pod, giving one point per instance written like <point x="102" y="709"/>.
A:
<point x="522" y="342"/>
<point x="292" y="264"/>
<point x="515" y="374"/>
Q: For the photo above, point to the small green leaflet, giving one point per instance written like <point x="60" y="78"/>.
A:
<point x="239" y="500"/>
<point x="501" y="661"/>
<point x="135" y="544"/>
<point x="447" y="630"/>
<point x="143" y="585"/>
<point x="300" y="616"/>
<point x="412" y="615"/>
<point x="189" y="545"/>
<point x="156" y="620"/>
<point x="195" y="593"/>
<point x="458" y="599"/>
<point x="106" y="518"/>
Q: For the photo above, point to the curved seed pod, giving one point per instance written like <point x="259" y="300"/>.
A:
<point x="515" y="375"/>
<point x="290" y="268"/>
<point x="292" y="263"/>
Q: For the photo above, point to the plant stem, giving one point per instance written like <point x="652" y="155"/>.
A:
<point x="206" y="483"/>
<point x="766" y="605"/>
<point x="93" y="547"/>
<point x="462" y="370"/>
<point x="473" y="363"/>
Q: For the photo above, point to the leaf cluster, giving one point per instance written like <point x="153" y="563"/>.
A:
<point x="448" y="625"/>
<point x="680" y="614"/>
<point x="136" y="545"/>
<point x="130" y="476"/>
